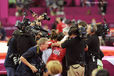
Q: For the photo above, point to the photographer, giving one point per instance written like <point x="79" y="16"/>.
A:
<point x="10" y="61"/>
<point x="33" y="58"/>
<point x="24" y="42"/>
<point x="93" y="52"/>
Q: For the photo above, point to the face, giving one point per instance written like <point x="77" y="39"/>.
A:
<point x="88" y="29"/>
<point x="44" y="46"/>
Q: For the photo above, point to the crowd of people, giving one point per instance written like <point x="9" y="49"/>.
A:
<point x="56" y="7"/>
<point x="71" y="48"/>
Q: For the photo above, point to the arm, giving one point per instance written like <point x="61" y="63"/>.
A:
<point x="60" y="42"/>
<point x="33" y="68"/>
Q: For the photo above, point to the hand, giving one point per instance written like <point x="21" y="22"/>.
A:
<point x="40" y="17"/>
<point x="34" y="69"/>
<point x="56" y="44"/>
<point x="34" y="15"/>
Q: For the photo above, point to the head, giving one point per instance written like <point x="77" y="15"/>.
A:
<point x="54" y="67"/>
<point x="58" y="19"/>
<point x="82" y="24"/>
<point x="42" y="43"/>
<point x="60" y="36"/>
<point x="53" y="35"/>
<point x="73" y="31"/>
<point x="46" y="27"/>
<point x="91" y="29"/>
<point x="102" y="72"/>
<point x="68" y="22"/>
<point x="93" y="21"/>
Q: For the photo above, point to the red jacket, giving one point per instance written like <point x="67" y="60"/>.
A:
<point x="57" y="53"/>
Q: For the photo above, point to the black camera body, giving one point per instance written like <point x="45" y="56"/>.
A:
<point x="45" y="16"/>
<point x="22" y="25"/>
<point x="25" y="27"/>
<point x="35" y="30"/>
<point x="41" y="68"/>
<point x="102" y="29"/>
<point x="79" y="31"/>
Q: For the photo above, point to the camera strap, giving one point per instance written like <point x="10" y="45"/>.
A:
<point x="37" y="49"/>
<point x="38" y="53"/>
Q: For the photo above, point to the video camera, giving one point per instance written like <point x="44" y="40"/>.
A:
<point x="21" y="25"/>
<point x="34" y="30"/>
<point x="79" y="30"/>
<point x="45" y="16"/>
<point x="102" y="29"/>
<point x="25" y="27"/>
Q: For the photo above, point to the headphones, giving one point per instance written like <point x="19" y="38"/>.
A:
<point x="73" y="30"/>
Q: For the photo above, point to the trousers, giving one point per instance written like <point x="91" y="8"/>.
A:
<point x="76" y="70"/>
<point x="10" y="71"/>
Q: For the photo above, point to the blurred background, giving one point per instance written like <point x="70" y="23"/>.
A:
<point x="13" y="10"/>
<point x="85" y="10"/>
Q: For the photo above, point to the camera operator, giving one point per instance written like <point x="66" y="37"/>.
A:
<point x="74" y="52"/>
<point x="12" y="57"/>
<point x="24" y="42"/>
<point x="31" y="60"/>
<point x="29" y="32"/>
<point x="10" y="61"/>
<point x="93" y="52"/>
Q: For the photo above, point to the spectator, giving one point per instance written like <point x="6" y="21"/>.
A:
<point x="19" y="8"/>
<point x="102" y="72"/>
<point x="52" y="6"/>
<point x="54" y="25"/>
<point x="60" y="7"/>
<point x="54" y="68"/>
<point x="12" y="3"/>
<point x="2" y="32"/>
<point x="60" y="25"/>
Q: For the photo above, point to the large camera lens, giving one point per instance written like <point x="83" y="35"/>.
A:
<point x="46" y="17"/>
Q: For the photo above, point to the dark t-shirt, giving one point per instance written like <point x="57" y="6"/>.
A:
<point x="74" y="50"/>
<point x="93" y="45"/>
<point x="11" y="51"/>
<point x="33" y="56"/>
